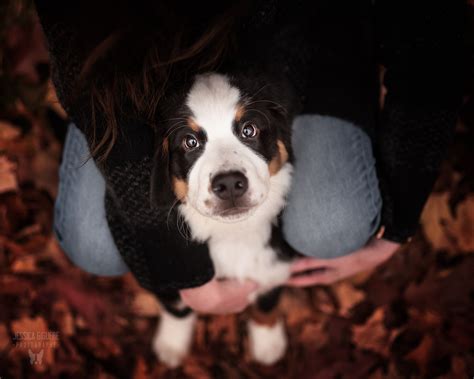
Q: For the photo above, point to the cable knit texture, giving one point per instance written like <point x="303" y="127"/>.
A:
<point x="330" y="52"/>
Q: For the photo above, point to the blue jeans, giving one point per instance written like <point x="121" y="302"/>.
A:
<point x="333" y="208"/>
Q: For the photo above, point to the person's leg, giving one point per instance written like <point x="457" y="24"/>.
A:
<point x="334" y="204"/>
<point x="80" y="224"/>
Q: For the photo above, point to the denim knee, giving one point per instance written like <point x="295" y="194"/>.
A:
<point x="342" y="234"/>
<point x="89" y="247"/>
<point x="334" y="204"/>
<point x="79" y="215"/>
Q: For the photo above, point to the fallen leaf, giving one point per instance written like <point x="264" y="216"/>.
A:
<point x="323" y="300"/>
<point x="141" y="370"/>
<point x="96" y="309"/>
<point x="194" y="369"/>
<point x="145" y="304"/>
<point x="100" y="347"/>
<point x="4" y="337"/>
<point x="435" y="214"/>
<point x="421" y="354"/>
<point x="8" y="181"/>
<point x="372" y="335"/>
<point x="443" y="230"/>
<point x="25" y="264"/>
<point x="223" y="330"/>
<point x="462" y="227"/>
<point x="347" y="296"/>
<point x="45" y="171"/>
<point x="313" y="335"/>
<point x="294" y="305"/>
<point x="8" y="131"/>
<point x="61" y="314"/>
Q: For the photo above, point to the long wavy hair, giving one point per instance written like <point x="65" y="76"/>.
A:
<point x="129" y="70"/>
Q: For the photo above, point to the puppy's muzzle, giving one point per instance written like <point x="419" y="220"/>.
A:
<point x="230" y="185"/>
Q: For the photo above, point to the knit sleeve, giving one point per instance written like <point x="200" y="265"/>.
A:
<point x="150" y="240"/>
<point x="154" y="243"/>
<point x="420" y="45"/>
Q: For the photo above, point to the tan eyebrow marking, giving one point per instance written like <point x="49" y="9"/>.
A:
<point x="239" y="112"/>
<point x="279" y="160"/>
<point x="193" y="125"/>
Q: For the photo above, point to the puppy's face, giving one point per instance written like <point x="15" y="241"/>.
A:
<point x="222" y="146"/>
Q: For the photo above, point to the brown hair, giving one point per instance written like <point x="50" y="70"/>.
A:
<point x="129" y="70"/>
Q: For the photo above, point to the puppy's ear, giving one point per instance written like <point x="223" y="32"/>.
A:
<point x="161" y="194"/>
<point x="286" y="102"/>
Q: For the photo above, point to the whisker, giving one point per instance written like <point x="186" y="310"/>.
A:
<point x="181" y="228"/>
<point x="269" y="101"/>
<point x="262" y="113"/>
<point x="177" y="127"/>
<point x="176" y="119"/>
<point x="175" y="124"/>
<point x="169" y="212"/>
<point x="261" y="89"/>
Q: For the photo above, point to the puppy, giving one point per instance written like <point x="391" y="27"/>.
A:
<point x="226" y="156"/>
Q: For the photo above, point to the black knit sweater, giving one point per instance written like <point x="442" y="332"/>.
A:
<point x="330" y="50"/>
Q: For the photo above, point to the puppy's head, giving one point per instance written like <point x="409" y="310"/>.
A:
<point x="223" y="142"/>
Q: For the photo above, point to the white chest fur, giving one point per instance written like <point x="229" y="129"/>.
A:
<point x="241" y="250"/>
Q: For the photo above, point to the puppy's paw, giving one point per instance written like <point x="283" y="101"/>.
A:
<point x="173" y="339"/>
<point x="170" y="355"/>
<point x="267" y="343"/>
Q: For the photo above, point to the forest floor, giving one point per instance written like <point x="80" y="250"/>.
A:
<point x="411" y="317"/>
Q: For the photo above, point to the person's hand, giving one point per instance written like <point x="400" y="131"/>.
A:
<point x="327" y="271"/>
<point x="219" y="296"/>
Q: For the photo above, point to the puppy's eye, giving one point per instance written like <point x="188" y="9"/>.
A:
<point x="249" y="130"/>
<point x="190" y="142"/>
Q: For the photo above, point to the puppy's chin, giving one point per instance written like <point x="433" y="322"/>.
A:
<point x="234" y="214"/>
<point x="228" y="215"/>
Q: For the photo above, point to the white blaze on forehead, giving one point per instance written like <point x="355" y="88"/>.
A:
<point x="213" y="103"/>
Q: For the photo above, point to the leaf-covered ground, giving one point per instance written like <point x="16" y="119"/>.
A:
<point x="411" y="317"/>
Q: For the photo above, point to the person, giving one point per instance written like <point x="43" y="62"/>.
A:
<point x="362" y="174"/>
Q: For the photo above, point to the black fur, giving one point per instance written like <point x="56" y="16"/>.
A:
<point x="269" y="301"/>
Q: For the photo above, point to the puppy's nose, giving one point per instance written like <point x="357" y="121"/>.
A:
<point x="229" y="185"/>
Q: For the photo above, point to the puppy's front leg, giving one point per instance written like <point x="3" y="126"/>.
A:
<point x="266" y="329"/>
<point x="174" y="335"/>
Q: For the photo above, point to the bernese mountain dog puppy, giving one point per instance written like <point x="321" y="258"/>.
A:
<point x="225" y="156"/>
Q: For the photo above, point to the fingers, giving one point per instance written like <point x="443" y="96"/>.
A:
<point x="326" y="277"/>
<point x="304" y="264"/>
